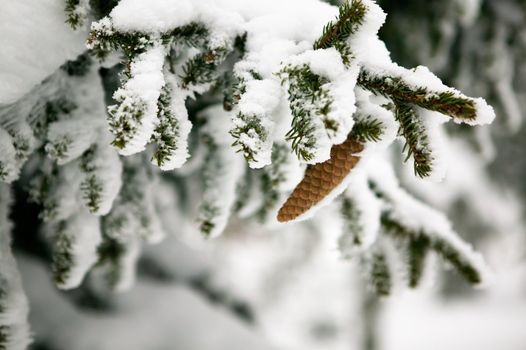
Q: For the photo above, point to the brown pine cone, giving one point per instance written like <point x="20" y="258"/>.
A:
<point x="320" y="179"/>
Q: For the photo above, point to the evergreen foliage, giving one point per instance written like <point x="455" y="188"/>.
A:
<point x="415" y="134"/>
<point x="86" y="156"/>
<point x="350" y="18"/>
<point x="309" y="100"/>
<point x="368" y="129"/>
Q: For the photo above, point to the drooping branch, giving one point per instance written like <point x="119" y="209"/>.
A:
<point x="394" y="87"/>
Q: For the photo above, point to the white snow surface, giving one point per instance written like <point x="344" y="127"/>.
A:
<point x="160" y="316"/>
<point x="35" y="41"/>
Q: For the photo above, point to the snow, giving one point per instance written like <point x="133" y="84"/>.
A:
<point x="422" y="218"/>
<point x="369" y="105"/>
<point x="216" y="125"/>
<point x="343" y="105"/>
<point x="260" y="99"/>
<point x="279" y="33"/>
<point x="8" y="163"/>
<point x="326" y="62"/>
<point x="133" y="213"/>
<point x="66" y="133"/>
<point x="365" y="45"/>
<point x="222" y="171"/>
<point x="184" y="126"/>
<point x="144" y="86"/>
<point x="471" y="323"/>
<point x="485" y="113"/>
<point x="369" y="208"/>
<point x="82" y="11"/>
<point x="261" y="96"/>
<point x="14" y="307"/>
<point x="151" y="316"/>
<point x="64" y="197"/>
<point x="421" y="77"/>
<point x="126" y="268"/>
<point x="296" y="282"/>
<point x="477" y="189"/>
<point x="83" y="229"/>
<point x="106" y="167"/>
<point x="160" y="16"/>
<point x="22" y="62"/>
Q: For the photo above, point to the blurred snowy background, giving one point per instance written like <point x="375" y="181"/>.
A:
<point x="288" y="287"/>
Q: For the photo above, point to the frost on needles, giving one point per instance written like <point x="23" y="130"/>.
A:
<point x="204" y="84"/>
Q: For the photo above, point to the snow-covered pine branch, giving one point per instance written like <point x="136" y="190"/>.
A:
<point x="15" y="333"/>
<point x="317" y="92"/>
<point x="221" y="173"/>
<point x="423" y="229"/>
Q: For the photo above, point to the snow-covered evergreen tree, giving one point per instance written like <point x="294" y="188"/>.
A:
<point x="199" y="118"/>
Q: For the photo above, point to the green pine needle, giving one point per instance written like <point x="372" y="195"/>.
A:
<point x="381" y="275"/>
<point x="416" y="139"/>
<point x="398" y="90"/>
<point x="308" y="99"/>
<point x="417" y="250"/>
<point x="442" y="247"/>
<point x="350" y="18"/>
<point x="368" y="129"/>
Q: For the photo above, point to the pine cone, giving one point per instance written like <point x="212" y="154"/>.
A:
<point x="320" y="179"/>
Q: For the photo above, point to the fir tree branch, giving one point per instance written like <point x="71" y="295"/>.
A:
<point x="350" y="18"/>
<point x="309" y="102"/>
<point x="380" y="274"/>
<point x="103" y="38"/>
<point x="170" y="134"/>
<point x="92" y="192"/>
<point x="117" y="262"/>
<point x="250" y="125"/>
<point x="416" y="139"/>
<point x="202" y="68"/>
<point x="76" y="12"/>
<point x="133" y="214"/>
<point x="272" y="179"/>
<point x="194" y="34"/>
<point x="395" y="88"/>
<point x="367" y="129"/>
<point x="436" y="243"/>
<point x="352" y="227"/>
<point x="79" y="66"/>
<point x="63" y="260"/>
<point x="417" y="249"/>
<point x="125" y="117"/>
